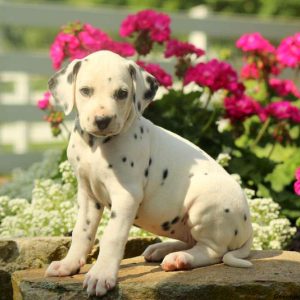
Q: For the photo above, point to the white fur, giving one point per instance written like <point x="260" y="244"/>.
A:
<point x="149" y="176"/>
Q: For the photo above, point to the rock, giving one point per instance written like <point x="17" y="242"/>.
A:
<point x="275" y="275"/>
<point x="28" y="253"/>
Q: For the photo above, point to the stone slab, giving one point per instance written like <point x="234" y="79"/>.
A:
<point x="275" y="275"/>
<point x="27" y="253"/>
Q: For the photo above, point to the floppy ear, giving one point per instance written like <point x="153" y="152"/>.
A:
<point x="62" y="85"/>
<point x="145" y="86"/>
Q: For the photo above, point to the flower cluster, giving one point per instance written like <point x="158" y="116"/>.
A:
<point x="240" y="108"/>
<point x="213" y="74"/>
<point x="288" y="52"/>
<point x="284" y="87"/>
<point x="161" y="75"/>
<point x="283" y="110"/>
<point x="78" y="40"/>
<point x="270" y="230"/>
<point x="254" y="42"/>
<point x="297" y="182"/>
<point x="181" y="49"/>
<point x="150" y="26"/>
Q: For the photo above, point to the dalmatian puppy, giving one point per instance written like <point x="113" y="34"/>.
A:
<point x="145" y="175"/>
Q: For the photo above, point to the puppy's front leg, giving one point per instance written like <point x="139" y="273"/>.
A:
<point x="83" y="236"/>
<point x="103" y="275"/>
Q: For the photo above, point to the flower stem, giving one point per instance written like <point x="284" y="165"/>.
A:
<point x="271" y="150"/>
<point x="261" y="132"/>
<point x="208" y="123"/>
<point x="208" y="99"/>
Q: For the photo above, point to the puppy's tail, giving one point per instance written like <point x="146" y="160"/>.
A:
<point x="234" y="258"/>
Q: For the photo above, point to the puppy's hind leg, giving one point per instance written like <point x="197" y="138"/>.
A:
<point x="198" y="256"/>
<point x="157" y="252"/>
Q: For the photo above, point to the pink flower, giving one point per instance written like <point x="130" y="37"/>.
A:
<point x="250" y="71"/>
<point x="57" y="55"/>
<point x="288" y="52"/>
<point x="297" y="183"/>
<point x="239" y="108"/>
<point x="180" y="49"/>
<point x="82" y="40"/>
<point x="284" y="87"/>
<point x="157" y="24"/>
<point x="161" y="75"/>
<point x="297" y="174"/>
<point x="297" y="187"/>
<point x="121" y="48"/>
<point x="213" y="74"/>
<point x="44" y="102"/>
<point x="254" y="42"/>
<point x="283" y="110"/>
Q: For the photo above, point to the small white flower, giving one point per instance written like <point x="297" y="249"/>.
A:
<point x="222" y="124"/>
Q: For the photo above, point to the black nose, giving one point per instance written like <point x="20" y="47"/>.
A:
<point x="102" y="122"/>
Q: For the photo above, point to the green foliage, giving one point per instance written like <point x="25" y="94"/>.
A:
<point x="22" y="181"/>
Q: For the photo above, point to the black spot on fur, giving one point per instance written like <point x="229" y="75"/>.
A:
<point x="109" y="205"/>
<point x="191" y="175"/>
<point x="150" y="161"/>
<point x="52" y="83"/>
<point x="124" y="159"/>
<point x="88" y="222"/>
<point x="135" y="136"/>
<point x="98" y="205"/>
<point x="132" y="164"/>
<point x="76" y="68"/>
<point x="142" y="129"/>
<point x="205" y="174"/>
<point x="77" y="158"/>
<point x="149" y="94"/>
<point x="227" y="210"/>
<point x="107" y="139"/>
<point x="165" y="226"/>
<point x="245" y="217"/>
<point x="146" y="172"/>
<point x="84" y="229"/>
<point x="91" y="140"/>
<point x="172" y="231"/>
<point x="70" y="77"/>
<point x="236" y="232"/>
<point x="110" y="166"/>
<point x="132" y="72"/>
<point x="89" y="238"/>
<point x="175" y="220"/>
<point x="134" y="97"/>
<point x="165" y="174"/>
<point x="113" y="214"/>
<point x="109" y="78"/>
<point x="139" y="106"/>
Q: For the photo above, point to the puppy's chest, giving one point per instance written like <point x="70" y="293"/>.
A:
<point x="90" y="165"/>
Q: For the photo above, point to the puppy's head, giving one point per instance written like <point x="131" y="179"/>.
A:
<point x="106" y="89"/>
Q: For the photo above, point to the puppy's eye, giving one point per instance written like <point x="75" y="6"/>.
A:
<point x="121" y="94"/>
<point x="86" y="91"/>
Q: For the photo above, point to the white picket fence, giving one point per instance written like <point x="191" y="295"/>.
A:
<point x="20" y="120"/>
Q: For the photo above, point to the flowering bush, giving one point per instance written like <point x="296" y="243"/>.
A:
<point x="254" y="114"/>
<point x="53" y="212"/>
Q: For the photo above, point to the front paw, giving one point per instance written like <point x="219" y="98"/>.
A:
<point x="64" y="267"/>
<point x="99" y="280"/>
